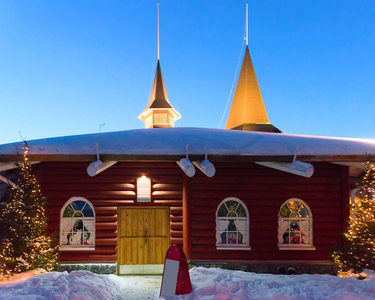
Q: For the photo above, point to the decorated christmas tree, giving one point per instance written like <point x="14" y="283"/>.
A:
<point x="358" y="251"/>
<point x="23" y="241"/>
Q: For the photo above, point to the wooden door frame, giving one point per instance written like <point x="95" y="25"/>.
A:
<point x="119" y="222"/>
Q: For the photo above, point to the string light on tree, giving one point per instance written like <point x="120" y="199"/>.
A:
<point x="24" y="244"/>
<point x="358" y="251"/>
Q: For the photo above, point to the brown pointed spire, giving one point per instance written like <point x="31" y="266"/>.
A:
<point x="159" y="112"/>
<point x="159" y="97"/>
<point x="248" y="111"/>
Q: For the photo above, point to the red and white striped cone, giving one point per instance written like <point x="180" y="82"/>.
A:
<point x="176" y="277"/>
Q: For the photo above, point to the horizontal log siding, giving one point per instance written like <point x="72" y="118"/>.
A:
<point x="113" y="188"/>
<point x="264" y="190"/>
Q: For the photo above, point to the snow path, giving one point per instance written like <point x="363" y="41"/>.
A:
<point x="208" y="284"/>
<point x="138" y="287"/>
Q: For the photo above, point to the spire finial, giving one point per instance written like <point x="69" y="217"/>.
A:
<point x="158" y="34"/>
<point x="247" y="25"/>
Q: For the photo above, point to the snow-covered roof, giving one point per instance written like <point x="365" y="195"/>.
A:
<point x="170" y="143"/>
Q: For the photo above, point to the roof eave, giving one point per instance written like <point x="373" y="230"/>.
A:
<point x="361" y="158"/>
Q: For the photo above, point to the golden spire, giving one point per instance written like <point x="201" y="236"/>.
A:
<point x="247" y="111"/>
<point x="247" y="105"/>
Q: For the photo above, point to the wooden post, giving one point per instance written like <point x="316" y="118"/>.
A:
<point x="186" y="213"/>
<point x="345" y="194"/>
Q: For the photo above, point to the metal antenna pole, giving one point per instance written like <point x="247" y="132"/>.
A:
<point x="100" y="127"/>
<point x="97" y="151"/>
<point x="247" y="25"/>
<point x="158" y="34"/>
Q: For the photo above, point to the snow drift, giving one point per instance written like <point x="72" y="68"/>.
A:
<point x="207" y="284"/>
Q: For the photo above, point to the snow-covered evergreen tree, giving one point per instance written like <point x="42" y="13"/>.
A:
<point x="23" y="241"/>
<point x="358" y="251"/>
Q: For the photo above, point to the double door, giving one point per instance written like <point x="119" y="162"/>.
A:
<point x="143" y="239"/>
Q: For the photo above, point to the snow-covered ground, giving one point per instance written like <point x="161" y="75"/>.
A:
<point x="207" y="284"/>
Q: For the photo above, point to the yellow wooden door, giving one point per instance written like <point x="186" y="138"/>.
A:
<point x="143" y="235"/>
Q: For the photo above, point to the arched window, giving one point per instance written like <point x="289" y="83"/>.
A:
<point x="295" y="226"/>
<point x="77" y="225"/>
<point x="232" y="225"/>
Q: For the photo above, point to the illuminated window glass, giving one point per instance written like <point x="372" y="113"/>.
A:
<point x="143" y="189"/>
<point x="77" y="225"/>
<point x="232" y="225"/>
<point x="295" y="226"/>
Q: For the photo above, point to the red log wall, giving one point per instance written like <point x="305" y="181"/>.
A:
<point x="264" y="190"/>
<point x="107" y="191"/>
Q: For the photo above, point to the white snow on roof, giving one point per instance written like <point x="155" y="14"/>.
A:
<point x="173" y="141"/>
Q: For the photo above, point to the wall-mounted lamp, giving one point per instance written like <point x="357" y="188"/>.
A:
<point x="206" y="166"/>
<point x="186" y="165"/>
<point x="295" y="167"/>
<point x="98" y="166"/>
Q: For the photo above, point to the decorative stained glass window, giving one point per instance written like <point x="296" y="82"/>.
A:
<point x="232" y="225"/>
<point x="77" y="225"/>
<point x="295" y="226"/>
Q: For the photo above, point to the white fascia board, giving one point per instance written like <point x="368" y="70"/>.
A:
<point x="5" y="166"/>
<point x="7" y="181"/>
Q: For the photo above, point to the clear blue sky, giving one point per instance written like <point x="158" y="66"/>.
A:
<point x="68" y="66"/>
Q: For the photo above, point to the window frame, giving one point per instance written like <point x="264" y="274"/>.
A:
<point x="309" y="246"/>
<point x="77" y="247"/>
<point x="247" y="218"/>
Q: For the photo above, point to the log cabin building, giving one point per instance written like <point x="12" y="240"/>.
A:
<point x="247" y="196"/>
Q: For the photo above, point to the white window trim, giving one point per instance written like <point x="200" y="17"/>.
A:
<point x="76" y="247"/>
<point x="72" y="248"/>
<point x="294" y="247"/>
<point x="309" y="246"/>
<point x="234" y="246"/>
